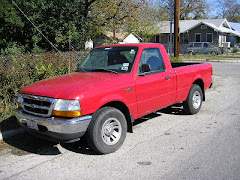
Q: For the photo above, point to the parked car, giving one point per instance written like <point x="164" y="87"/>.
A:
<point x="113" y="86"/>
<point x="202" y="48"/>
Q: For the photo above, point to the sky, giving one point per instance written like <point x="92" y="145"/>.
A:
<point x="213" y="8"/>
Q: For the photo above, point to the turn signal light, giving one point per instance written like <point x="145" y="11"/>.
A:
<point x="67" y="113"/>
<point x="19" y="105"/>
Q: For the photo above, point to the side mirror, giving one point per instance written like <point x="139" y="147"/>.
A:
<point x="145" y="68"/>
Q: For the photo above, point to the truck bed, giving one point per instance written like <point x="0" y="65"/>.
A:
<point x="180" y="64"/>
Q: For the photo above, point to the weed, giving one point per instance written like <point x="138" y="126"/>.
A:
<point x="17" y="71"/>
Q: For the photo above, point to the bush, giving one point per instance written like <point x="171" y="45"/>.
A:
<point x="17" y="71"/>
<point x="174" y="59"/>
<point x="235" y="50"/>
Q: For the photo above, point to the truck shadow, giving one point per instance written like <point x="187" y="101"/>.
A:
<point x="24" y="143"/>
<point x="176" y="109"/>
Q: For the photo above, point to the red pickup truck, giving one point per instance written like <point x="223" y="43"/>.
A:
<point x="113" y="86"/>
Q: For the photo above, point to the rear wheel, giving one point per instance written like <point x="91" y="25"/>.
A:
<point x="107" y="130"/>
<point x="213" y="53"/>
<point x="193" y="103"/>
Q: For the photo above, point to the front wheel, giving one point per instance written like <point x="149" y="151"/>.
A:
<point x="193" y="103"/>
<point x="107" y="130"/>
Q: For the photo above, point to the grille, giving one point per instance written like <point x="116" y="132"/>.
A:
<point x="38" y="105"/>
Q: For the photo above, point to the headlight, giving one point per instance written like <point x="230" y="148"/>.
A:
<point x="67" y="108"/>
<point x="19" y="100"/>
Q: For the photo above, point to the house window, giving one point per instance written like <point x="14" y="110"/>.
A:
<point x="209" y="37"/>
<point x="172" y="38"/>
<point x="197" y="44"/>
<point x="203" y="27"/>
<point x="157" y="39"/>
<point x="197" y="37"/>
<point x="206" y="45"/>
<point x="222" y="38"/>
<point x="185" y="38"/>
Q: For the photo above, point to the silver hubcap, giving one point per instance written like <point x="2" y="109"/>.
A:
<point x="111" y="131"/>
<point x="196" y="100"/>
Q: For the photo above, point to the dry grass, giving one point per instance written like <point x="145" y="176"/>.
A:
<point x="21" y="70"/>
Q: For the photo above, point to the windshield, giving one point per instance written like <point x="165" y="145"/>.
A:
<point x="109" y="59"/>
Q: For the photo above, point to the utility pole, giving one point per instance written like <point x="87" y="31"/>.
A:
<point x="171" y="22"/>
<point x="176" y="28"/>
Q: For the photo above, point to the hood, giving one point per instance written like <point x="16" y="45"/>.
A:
<point x="63" y="87"/>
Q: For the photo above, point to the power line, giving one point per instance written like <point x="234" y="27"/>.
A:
<point x="35" y="26"/>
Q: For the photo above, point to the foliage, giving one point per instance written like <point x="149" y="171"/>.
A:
<point x="61" y="21"/>
<point x="194" y="9"/>
<point x="115" y="14"/>
<point x="174" y="59"/>
<point x="109" y="42"/>
<point x="229" y="9"/>
<point x="23" y="69"/>
<point x="189" y="9"/>
<point x="235" y="50"/>
<point x="149" y="17"/>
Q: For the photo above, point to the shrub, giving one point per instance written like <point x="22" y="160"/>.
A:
<point x="235" y="50"/>
<point x="174" y="59"/>
<point x="17" y="71"/>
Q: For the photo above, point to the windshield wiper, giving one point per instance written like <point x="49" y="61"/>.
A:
<point x="81" y="69"/>
<point x="105" y="70"/>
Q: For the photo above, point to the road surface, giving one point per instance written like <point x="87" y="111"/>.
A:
<point x="165" y="145"/>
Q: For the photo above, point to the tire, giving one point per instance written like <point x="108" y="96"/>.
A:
<point x="213" y="53"/>
<point x="191" y="53"/>
<point x="193" y="103"/>
<point x="107" y="130"/>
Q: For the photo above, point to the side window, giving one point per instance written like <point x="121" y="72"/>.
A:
<point x="206" y="45"/>
<point x="190" y="45"/>
<point x="153" y="58"/>
<point x="198" y="45"/>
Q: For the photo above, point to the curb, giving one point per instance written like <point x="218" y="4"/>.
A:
<point x="10" y="133"/>
<point x="212" y="60"/>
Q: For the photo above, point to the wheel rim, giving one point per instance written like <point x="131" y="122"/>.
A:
<point x="111" y="131"/>
<point x="196" y="99"/>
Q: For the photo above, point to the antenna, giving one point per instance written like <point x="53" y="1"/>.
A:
<point x="35" y="26"/>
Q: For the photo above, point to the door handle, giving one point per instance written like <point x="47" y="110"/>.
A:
<point x="168" y="78"/>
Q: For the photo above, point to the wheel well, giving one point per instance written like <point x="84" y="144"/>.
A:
<point x="124" y="109"/>
<point x="201" y="84"/>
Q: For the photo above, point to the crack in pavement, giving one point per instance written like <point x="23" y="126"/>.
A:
<point x="49" y="160"/>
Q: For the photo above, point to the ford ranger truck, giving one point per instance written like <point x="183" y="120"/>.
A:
<point x="113" y="86"/>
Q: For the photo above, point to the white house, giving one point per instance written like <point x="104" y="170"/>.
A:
<point x="131" y="38"/>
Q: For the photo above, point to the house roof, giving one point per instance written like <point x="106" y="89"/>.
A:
<point x="235" y="26"/>
<point x="219" y="25"/>
<point x="119" y="36"/>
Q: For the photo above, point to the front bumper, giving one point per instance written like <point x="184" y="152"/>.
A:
<point x="55" y="128"/>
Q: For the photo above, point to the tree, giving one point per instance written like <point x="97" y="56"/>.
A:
<point x="229" y="9"/>
<point x="189" y="9"/>
<point x="149" y="18"/>
<point x="194" y="9"/>
<point x="63" y="22"/>
<point x="115" y="15"/>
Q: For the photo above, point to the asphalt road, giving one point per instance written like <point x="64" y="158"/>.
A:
<point x="165" y="145"/>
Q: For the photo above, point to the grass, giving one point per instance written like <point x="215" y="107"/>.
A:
<point x="226" y="56"/>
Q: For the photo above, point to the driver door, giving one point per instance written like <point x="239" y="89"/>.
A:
<point x="155" y="89"/>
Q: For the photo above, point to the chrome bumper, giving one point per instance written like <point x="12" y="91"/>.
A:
<point x="55" y="124"/>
